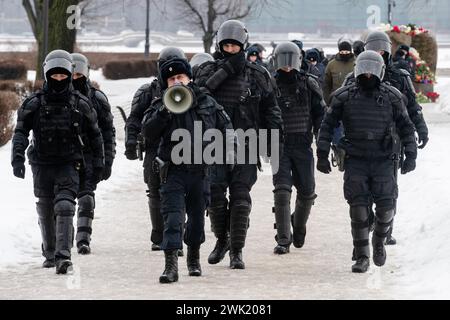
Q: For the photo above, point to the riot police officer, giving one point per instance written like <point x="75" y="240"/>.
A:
<point x="379" y="42"/>
<point x="59" y="118"/>
<point x="198" y="59"/>
<point x="302" y="107"/>
<point x="246" y="92"/>
<point x="184" y="184"/>
<point x="141" y="101"/>
<point x="372" y="112"/>
<point x="86" y="195"/>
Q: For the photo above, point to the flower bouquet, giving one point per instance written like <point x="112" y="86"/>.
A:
<point x="433" y="96"/>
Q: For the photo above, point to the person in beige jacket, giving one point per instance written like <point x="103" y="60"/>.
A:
<point x="338" y="68"/>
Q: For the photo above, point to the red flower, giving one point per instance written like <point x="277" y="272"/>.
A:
<point x="396" y="29"/>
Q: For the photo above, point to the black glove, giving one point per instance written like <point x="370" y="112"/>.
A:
<point x="130" y="151"/>
<point x="323" y="165"/>
<point x="19" y="169"/>
<point x="97" y="174"/>
<point x="106" y="172"/>
<point x="423" y="140"/>
<point x="408" y="165"/>
<point x="235" y="64"/>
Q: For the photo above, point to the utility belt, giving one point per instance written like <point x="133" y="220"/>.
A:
<point x="163" y="167"/>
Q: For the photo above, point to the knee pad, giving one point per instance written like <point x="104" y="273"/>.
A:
<point x="65" y="208"/>
<point x="385" y="216"/>
<point x="86" y="203"/>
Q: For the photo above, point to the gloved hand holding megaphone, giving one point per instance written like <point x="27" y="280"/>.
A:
<point x="178" y="99"/>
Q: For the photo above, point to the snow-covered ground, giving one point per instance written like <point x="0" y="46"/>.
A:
<point x="123" y="267"/>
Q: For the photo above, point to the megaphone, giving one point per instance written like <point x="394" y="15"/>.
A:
<point x="178" y="99"/>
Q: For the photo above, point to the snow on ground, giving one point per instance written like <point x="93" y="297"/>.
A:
<point x="416" y="268"/>
<point x="423" y="221"/>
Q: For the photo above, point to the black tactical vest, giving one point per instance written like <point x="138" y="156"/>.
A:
<point x="240" y="97"/>
<point x="295" y="103"/>
<point x="368" y="118"/>
<point x="57" y="134"/>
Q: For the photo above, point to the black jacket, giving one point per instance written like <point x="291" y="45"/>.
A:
<point x="57" y="138"/>
<point x="159" y="125"/>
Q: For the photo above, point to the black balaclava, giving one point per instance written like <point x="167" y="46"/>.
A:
<point x="58" y="89"/>
<point x="347" y="46"/>
<point x="368" y="84"/>
<point x="286" y="77"/>
<point x="80" y="84"/>
<point x="232" y="41"/>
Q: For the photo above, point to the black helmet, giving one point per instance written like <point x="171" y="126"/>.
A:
<point x="377" y="41"/>
<point x="287" y="54"/>
<point x="81" y="64"/>
<point x="358" y="47"/>
<point x="370" y="62"/>
<point x="233" y="31"/>
<point x="345" y="44"/>
<point x="200" y="58"/>
<point x="59" y="59"/>
<point x="168" y="53"/>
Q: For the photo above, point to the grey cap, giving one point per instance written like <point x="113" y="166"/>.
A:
<point x="169" y="53"/>
<point x="377" y="41"/>
<point x="81" y="64"/>
<point x="287" y="54"/>
<point x="232" y="30"/>
<point x="200" y="58"/>
<point x="370" y="62"/>
<point x="58" y="59"/>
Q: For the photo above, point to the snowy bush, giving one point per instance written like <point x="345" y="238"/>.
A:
<point x="9" y="103"/>
<point x="13" y="70"/>
<point x="125" y="69"/>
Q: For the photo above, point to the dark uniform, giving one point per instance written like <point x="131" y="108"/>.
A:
<point x="88" y="178"/>
<point x="197" y="60"/>
<point x="246" y="92"/>
<point x="302" y="106"/>
<point x="185" y="186"/>
<point x="401" y="80"/>
<point x="59" y="117"/>
<point x="372" y="114"/>
<point x="141" y="102"/>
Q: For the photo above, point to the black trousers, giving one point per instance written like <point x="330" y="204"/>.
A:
<point x="296" y="169"/>
<point x="184" y="190"/>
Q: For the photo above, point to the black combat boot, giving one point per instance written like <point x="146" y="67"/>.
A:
<point x="83" y="248"/>
<point x="219" y="251"/>
<point x="299" y="219"/>
<point x="390" y="240"/>
<point x="170" y="273"/>
<point x="48" y="263"/>
<point x="63" y="266"/>
<point x="193" y="262"/>
<point x="156" y="247"/>
<point x="361" y="265"/>
<point x="218" y="216"/>
<point x="48" y="230"/>
<point x="154" y="206"/>
<point x="280" y="249"/>
<point x="86" y="206"/>
<point x="236" y="261"/>
<point x="64" y="242"/>
<point x="379" y="252"/>
<point x="382" y="227"/>
<point x="282" y="211"/>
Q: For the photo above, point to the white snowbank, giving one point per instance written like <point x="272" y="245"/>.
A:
<point x="423" y="221"/>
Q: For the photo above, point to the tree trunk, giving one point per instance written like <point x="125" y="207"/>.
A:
<point x="59" y="35"/>
<point x="208" y="42"/>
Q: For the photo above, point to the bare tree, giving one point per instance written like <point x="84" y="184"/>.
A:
<point x="207" y="15"/>
<point x="60" y="36"/>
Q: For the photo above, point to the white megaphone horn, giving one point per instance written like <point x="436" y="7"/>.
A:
<point x="178" y="99"/>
